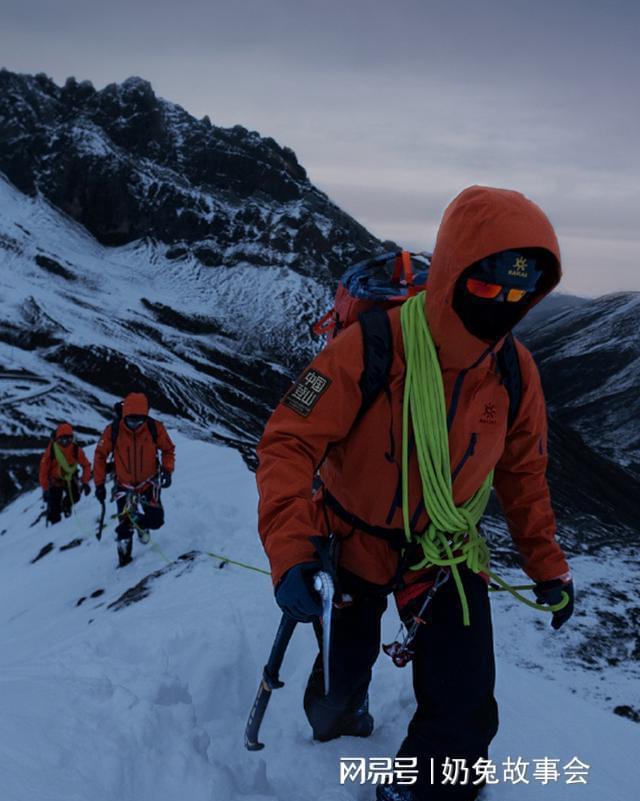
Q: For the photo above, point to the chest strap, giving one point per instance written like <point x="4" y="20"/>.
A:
<point x="394" y="537"/>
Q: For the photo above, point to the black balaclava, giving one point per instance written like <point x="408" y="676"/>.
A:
<point x="134" y="421"/>
<point x="490" y="319"/>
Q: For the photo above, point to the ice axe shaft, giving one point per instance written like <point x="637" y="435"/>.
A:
<point x="270" y="681"/>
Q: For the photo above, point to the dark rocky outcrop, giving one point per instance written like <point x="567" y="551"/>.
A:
<point x="127" y="164"/>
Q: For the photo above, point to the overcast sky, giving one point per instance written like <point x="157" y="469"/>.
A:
<point x="393" y="108"/>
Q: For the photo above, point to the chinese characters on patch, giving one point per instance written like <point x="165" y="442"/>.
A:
<point x="404" y="771"/>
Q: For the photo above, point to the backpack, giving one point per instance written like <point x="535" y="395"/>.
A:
<point x="365" y="293"/>
<point x="382" y="281"/>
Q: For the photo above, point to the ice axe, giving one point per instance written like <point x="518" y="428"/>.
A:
<point x="323" y="583"/>
<point x="270" y="681"/>
<point x="101" y="521"/>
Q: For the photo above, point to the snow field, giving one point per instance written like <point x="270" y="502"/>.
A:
<point x="149" y="702"/>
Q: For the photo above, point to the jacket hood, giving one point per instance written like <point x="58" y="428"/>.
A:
<point x="135" y="403"/>
<point x="63" y="430"/>
<point x="480" y="221"/>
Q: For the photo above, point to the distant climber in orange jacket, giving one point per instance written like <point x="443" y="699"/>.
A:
<point x="135" y="440"/>
<point x="58" y="475"/>
<point x="495" y="257"/>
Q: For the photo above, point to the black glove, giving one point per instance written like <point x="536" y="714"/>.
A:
<point x="45" y="496"/>
<point x="86" y="489"/>
<point x="101" y="493"/>
<point x="295" y="594"/>
<point x="165" y="479"/>
<point x="550" y="592"/>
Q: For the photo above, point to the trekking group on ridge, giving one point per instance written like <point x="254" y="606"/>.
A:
<point x="136" y="450"/>
<point x="373" y="474"/>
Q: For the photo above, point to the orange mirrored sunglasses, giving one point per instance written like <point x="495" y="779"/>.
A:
<point x="481" y="289"/>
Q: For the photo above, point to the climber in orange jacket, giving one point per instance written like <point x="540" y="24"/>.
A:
<point x="135" y="440"/>
<point x="61" y="485"/>
<point x="496" y="256"/>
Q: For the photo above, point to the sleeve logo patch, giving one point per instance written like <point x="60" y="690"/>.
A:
<point x="306" y="392"/>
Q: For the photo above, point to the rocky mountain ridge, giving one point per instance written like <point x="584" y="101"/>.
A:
<point x="127" y="164"/>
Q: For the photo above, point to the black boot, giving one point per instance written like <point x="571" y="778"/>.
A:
<point x="358" y="723"/>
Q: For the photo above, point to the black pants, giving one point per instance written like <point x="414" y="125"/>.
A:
<point x="60" y="502"/>
<point x="152" y="516"/>
<point x="453" y="681"/>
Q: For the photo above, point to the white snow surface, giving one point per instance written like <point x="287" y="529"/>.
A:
<point x="149" y="702"/>
<point x="254" y="304"/>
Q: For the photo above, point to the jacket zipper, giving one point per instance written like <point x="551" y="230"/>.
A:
<point x="137" y="456"/>
<point x="457" y="387"/>
<point x="468" y="453"/>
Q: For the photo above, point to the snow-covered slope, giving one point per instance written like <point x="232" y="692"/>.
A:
<point x="135" y="684"/>
<point x="84" y="324"/>
<point x="589" y="359"/>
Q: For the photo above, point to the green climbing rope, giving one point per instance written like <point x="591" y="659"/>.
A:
<point x="154" y="545"/>
<point x="452" y="536"/>
<point x="225" y="559"/>
<point x="66" y="470"/>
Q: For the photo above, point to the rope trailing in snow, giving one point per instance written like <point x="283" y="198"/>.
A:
<point x="146" y="538"/>
<point x="225" y="559"/>
<point x="452" y="537"/>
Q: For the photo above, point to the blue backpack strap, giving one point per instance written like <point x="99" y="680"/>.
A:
<point x="509" y="367"/>
<point x="377" y="350"/>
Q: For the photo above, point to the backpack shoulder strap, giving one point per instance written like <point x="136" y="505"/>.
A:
<point x="377" y="347"/>
<point x="377" y="354"/>
<point x="509" y="367"/>
<point x="153" y="429"/>
<point x="115" y="428"/>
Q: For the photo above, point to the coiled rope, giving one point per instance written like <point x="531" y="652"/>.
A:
<point x="452" y="537"/>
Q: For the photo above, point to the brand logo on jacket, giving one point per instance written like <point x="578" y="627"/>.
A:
<point x="489" y="414"/>
<point x="519" y="269"/>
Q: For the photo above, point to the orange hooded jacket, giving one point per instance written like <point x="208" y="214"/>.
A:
<point x="358" y="457"/>
<point x="135" y="456"/>
<point x="50" y="474"/>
